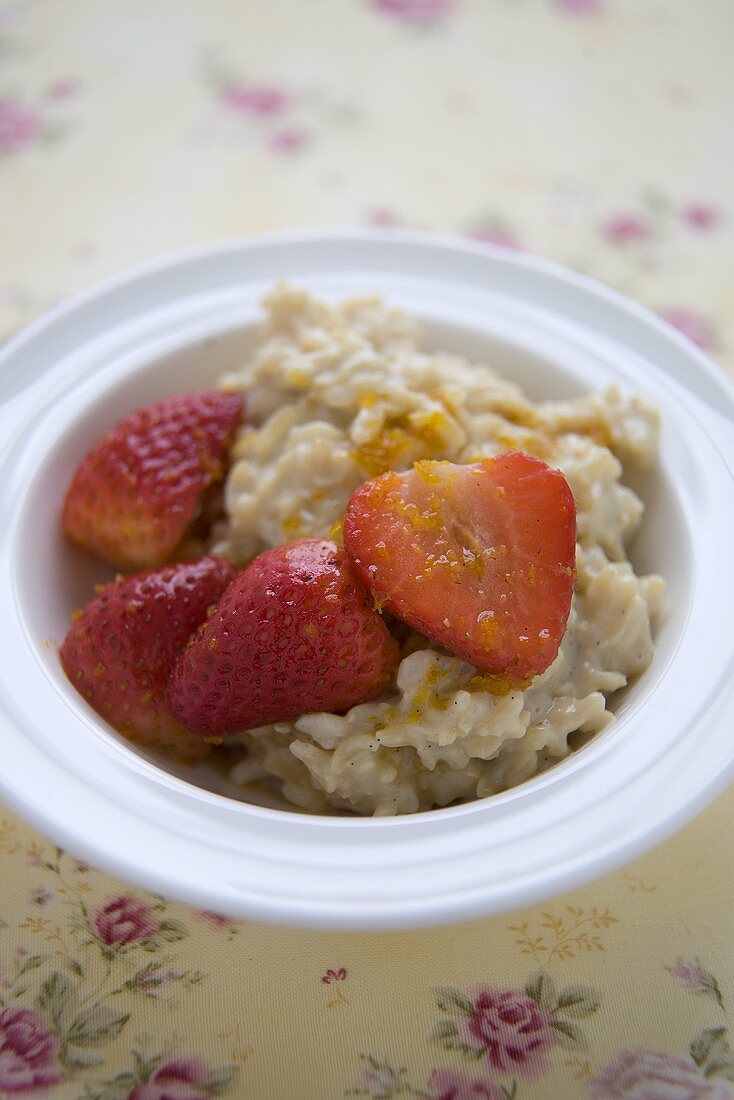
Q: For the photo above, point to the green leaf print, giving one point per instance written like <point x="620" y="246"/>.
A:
<point x="568" y="1035"/>
<point x="57" y="996"/>
<point x="118" y="1089"/>
<point x="171" y="930"/>
<point x="446" y="1033"/>
<point x="78" y="1059"/>
<point x="143" y="1066"/>
<point x="541" y="988"/>
<point x="444" y="1029"/>
<point x="31" y="964"/>
<point x="451" y="1000"/>
<point x="218" y="1084"/>
<point x="711" y="1051"/>
<point x="577" y="1001"/>
<point x="95" y="1026"/>
<point x="710" y="1044"/>
<point x="382" y="1081"/>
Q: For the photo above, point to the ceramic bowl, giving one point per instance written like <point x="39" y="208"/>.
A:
<point x="176" y="325"/>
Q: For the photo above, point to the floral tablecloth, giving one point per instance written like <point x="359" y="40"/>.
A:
<point x="596" y="132"/>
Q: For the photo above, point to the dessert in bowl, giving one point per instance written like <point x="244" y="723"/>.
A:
<point x="349" y="430"/>
<point x="186" y="827"/>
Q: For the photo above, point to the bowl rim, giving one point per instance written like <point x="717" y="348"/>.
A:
<point x="456" y="908"/>
<point x="513" y="257"/>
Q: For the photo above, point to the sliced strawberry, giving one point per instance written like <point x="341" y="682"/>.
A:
<point x="295" y="633"/>
<point x="479" y="558"/>
<point x="121" y="648"/>
<point x="143" y="484"/>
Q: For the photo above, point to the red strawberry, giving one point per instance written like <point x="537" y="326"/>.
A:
<point x="138" y="490"/>
<point x="479" y="558"/>
<point x="120" y="649"/>
<point x="295" y="633"/>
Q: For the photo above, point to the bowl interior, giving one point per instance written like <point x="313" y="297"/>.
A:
<point x="56" y="578"/>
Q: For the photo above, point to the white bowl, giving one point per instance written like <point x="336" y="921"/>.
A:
<point x="176" y="325"/>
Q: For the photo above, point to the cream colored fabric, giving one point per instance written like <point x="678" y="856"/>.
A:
<point x="595" y="132"/>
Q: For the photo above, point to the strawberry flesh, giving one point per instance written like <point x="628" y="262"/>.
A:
<point x="479" y="558"/>
<point x="294" y="634"/>
<point x="136" y="493"/>
<point x="121" y="648"/>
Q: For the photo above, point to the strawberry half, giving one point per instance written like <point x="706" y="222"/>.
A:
<point x="136" y="493"/>
<point x="479" y="558"/>
<point x="295" y="633"/>
<point x="121" y="648"/>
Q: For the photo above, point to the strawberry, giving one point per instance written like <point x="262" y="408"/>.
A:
<point x="143" y="484"/>
<point x="121" y="648"/>
<point x="295" y="633"/>
<point x="479" y="558"/>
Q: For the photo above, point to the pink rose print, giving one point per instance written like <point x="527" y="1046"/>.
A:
<point x="63" y="88"/>
<point x="580" y="7"/>
<point x="449" y="1084"/>
<point x="512" y="1029"/>
<point x="289" y="140"/>
<point x="336" y="976"/>
<point x="415" y="11"/>
<point x="153" y="977"/>
<point x="179" y="1079"/>
<point x="339" y="975"/>
<point x="691" y="975"/>
<point x="700" y="215"/>
<point x="691" y="324"/>
<point x="382" y="217"/>
<point x="651" y="1075"/>
<point x="502" y="237"/>
<point x="19" y="126"/>
<point x="680" y="94"/>
<point x="125" y="920"/>
<point x="257" y="100"/>
<point x="28" y="1053"/>
<point x="41" y="896"/>
<point x="380" y="1080"/>
<point x="624" y="228"/>
<point x="217" y="919"/>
